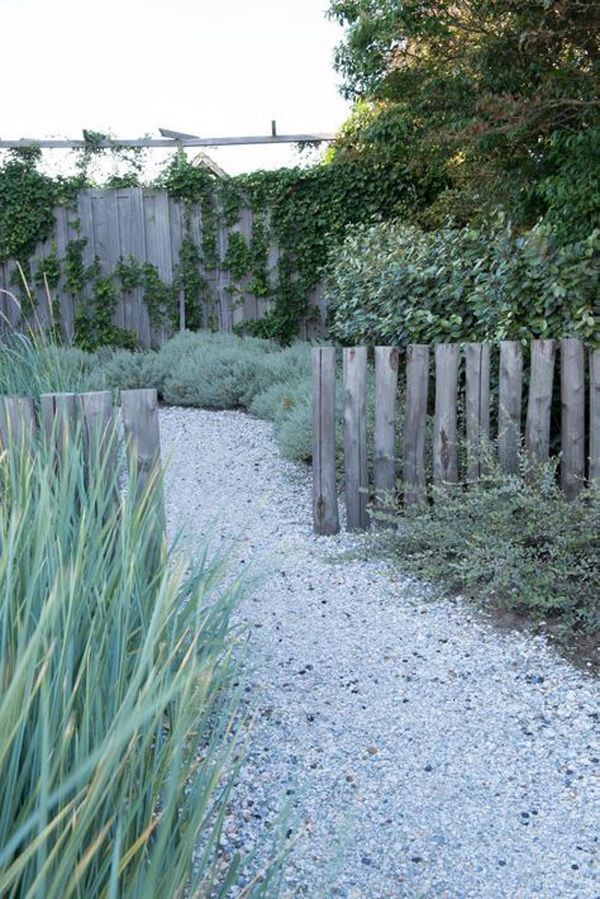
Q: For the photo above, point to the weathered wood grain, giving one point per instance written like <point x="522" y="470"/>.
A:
<point x="510" y="397"/>
<point x="59" y="420"/>
<point x="594" y="471"/>
<point x="445" y="438"/>
<point x="386" y="389"/>
<point x="325" y="504"/>
<point x="537" y="430"/>
<point x="477" y="358"/>
<point x="355" y="437"/>
<point x="572" y="395"/>
<point x="415" y="423"/>
<point x="17" y="421"/>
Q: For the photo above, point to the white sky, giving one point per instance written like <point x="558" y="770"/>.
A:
<point x="206" y="67"/>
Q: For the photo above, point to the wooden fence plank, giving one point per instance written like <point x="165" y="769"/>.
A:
<point x="17" y="421"/>
<point x="537" y="431"/>
<point x="445" y="449"/>
<point x="386" y="388"/>
<point x="142" y="437"/>
<point x="325" y="505"/>
<point x="96" y="414"/>
<point x="477" y="357"/>
<point x="509" y="404"/>
<point x="355" y="437"/>
<point x="572" y="393"/>
<point x="415" y="423"/>
<point x="594" y="414"/>
<point x="59" y="420"/>
<point x="142" y="433"/>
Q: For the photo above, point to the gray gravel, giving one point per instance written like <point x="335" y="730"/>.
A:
<point x="424" y="753"/>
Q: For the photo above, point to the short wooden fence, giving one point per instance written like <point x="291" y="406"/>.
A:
<point x="62" y="415"/>
<point x="575" y="437"/>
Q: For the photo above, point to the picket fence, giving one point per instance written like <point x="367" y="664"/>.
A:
<point x="580" y="444"/>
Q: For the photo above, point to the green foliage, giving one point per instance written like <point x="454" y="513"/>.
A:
<point x="514" y="542"/>
<point x="395" y="284"/>
<point x="33" y="365"/>
<point x="472" y="96"/>
<point x="190" y="281"/>
<point x="221" y="371"/>
<point x="118" y="712"/>
<point x="159" y="296"/>
<point x="49" y="271"/>
<point x="27" y="200"/>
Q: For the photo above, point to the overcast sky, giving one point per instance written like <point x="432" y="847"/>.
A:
<point x="129" y="67"/>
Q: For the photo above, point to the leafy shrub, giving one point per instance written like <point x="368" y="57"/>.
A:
<point x="116" y="707"/>
<point x="395" y="284"/>
<point x="512" y="540"/>
<point x="122" y="370"/>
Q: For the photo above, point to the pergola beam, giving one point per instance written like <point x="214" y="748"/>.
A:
<point x="65" y="144"/>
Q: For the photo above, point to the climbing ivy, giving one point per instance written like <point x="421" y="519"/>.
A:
<point x="301" y="211"/>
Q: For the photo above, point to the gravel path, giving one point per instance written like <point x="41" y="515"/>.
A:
<point x="424" y="753"/>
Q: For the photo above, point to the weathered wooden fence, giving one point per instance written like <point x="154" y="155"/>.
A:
<point x="579" y="429"/>
<point x="91" y="418"/>
<point x="149" y="226"/>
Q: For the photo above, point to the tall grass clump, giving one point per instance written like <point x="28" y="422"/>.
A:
<point x="30" y="364"/>
<point x="116" y="691"/>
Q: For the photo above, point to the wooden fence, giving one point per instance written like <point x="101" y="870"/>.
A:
<point x="579" y="428"/>
<point x="63" y="416"/>
<point x="149" y="226"/>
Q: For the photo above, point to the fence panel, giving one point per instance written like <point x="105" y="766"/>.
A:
<point x="510" y="401"/>
<point x="594" y="414"/>
<point x="572" y="392"/>
<point x="539" y="407"/>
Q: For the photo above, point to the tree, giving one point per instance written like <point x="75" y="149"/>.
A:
<point x="487" y="98"/>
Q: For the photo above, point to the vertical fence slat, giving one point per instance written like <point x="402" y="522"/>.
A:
<point x="572" y="395"/>
<point x="537" y="432"/>
<point x="445" y="449"/>
<point x="325" y="505"/>
<point x="477" y="356"/>
<point x="509" y="404"/>
<point x="17" y="420"/>
<point x="386" y="387"/>
<point x="96" y="413"/>
<point x="142" y="433"/>
<point x="355" y="437"/>
<point x="415" y="423"/>
<point x="59" y="418"/>
<point x="594" y="414"/>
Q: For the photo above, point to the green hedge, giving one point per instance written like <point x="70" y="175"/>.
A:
<point x="396" y="283"/>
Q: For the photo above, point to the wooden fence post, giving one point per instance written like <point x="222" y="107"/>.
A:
<point x="415" y="423"/>
<point x="477" y="357"/>
<point x="96" y="413"/>
<point x="537" y="432"/>
<point x="142" y="434"/>
<point x="59" y="419"/>
<point x="572" y="395"/>
<point x="325" y="505"/>
<point x="445" y="450"/>
<point x="386" y="387"/>
<point x="509" y="404"/>
<point x="17" y="421"/>
<point x="355" y="437"/>
<point x="594" y="414"/>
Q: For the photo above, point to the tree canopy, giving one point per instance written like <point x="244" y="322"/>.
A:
<point x="486" y="102"/>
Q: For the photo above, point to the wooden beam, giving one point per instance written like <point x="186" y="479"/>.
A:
<point x="67" y="144"/>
